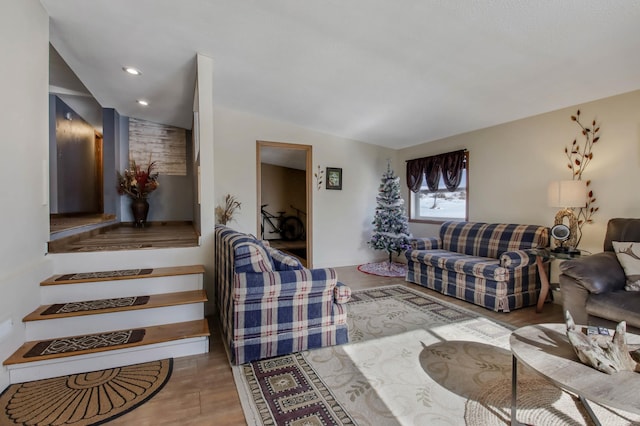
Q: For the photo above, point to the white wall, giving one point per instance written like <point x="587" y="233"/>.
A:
<point x="341" y="219"/>
<point x="205" y="214"/>
<point x="512" y="164"/>
<point x="24" y="226"/>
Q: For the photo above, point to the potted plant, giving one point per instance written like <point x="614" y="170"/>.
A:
<point x="138" y="183"/>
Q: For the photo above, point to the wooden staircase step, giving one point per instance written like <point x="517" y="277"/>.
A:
<point x="155" y="273"/>
<point x="155" y="301"/>
<point x="155" y="334"/>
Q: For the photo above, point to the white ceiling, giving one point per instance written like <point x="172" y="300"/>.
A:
<point x="393" y="73"/>
<point x="65" y="84"/>
<point x="284" y="157"/>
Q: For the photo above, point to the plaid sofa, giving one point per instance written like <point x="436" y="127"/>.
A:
<point x="269" y="304"/>
<point x="483" y="263"/>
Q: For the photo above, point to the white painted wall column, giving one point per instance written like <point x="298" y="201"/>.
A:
<point x="24" y="166"/>
<point x="205" y="173"/>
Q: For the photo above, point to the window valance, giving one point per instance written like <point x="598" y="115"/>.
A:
<point x="449" y="166"/>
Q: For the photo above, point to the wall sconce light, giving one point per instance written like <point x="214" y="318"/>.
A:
<point x="68" y="116"/>
<point x="566" y="194"/>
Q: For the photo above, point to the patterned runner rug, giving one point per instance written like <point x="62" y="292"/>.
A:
<point x="95" y="305"/>
<point x="412" y="360"/>
<point x="104" y="274"/>
<point x="83" y="399"/>
<point x="81" y="343"/>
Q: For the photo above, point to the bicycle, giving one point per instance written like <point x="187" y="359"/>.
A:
<point x="300" y="213"/>
<point x="290" y="228"/>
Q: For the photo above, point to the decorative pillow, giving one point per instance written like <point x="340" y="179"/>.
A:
<point x="628" y="255"/>
<point x="283" y="261"/>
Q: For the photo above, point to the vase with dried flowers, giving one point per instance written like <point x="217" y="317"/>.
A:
<point x="225" y="214"/>
<point x="138" y="183"/>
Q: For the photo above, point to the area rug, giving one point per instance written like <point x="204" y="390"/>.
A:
<point x="384" y="269"/>
<point x="83" y="399"/>
<point x="95" y="305"/>
<point x="412" y="360"/>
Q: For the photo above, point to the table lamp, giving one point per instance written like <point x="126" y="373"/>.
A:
<point x="566" y="194"/>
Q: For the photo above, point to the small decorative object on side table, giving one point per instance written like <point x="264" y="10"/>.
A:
<point x="544" y="254"/>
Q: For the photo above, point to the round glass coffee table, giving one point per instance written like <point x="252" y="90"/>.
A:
<point x="545" y="348"/>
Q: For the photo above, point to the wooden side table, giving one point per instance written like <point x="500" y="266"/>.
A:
<point x="543" y="255"/>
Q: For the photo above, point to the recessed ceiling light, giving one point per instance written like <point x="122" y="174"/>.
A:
<point x="142" y="102"/>
<point x="132" y="70"/>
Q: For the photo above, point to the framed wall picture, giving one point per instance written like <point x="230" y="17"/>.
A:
<point x="334" y="178"/>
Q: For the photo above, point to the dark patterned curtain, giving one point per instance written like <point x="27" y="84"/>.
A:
<point x="450" y="165"/>
<point x="415" y="173"/>
<point x="453" y="164"/>
<point x="432" y="172"/>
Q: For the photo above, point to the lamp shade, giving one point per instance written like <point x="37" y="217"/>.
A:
<point x="567" y="193"/>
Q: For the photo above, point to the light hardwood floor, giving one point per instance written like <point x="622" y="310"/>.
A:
<point x="125" y="236"/>
<point x="201" y="390"/>
<point x="60" y="223"/>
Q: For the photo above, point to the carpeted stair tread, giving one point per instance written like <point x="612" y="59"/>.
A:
<point x="118" y="305"/>
<point x="152" y="335"/>
<point x="155" y="273"/>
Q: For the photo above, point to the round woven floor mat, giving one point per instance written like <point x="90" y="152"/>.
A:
<point x="83" y="399"/>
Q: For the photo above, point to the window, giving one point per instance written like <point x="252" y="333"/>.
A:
<point x="439" y="204"/>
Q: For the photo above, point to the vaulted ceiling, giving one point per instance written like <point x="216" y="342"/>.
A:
<point x="393" y="73"/>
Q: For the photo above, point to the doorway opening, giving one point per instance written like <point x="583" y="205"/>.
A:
<point x="283" y="173"/>
<point x="88" y="144"/>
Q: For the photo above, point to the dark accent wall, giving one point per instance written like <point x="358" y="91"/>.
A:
<point x="75" y="163"/>
<point x="111" y="147"/>
<point x="53" y="157"/>
<point x="174" y="198"/>
<point x="73" y="169"/>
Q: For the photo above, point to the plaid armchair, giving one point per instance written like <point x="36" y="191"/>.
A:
<point x="269" y="304"/>
<point x="484" y="263"/>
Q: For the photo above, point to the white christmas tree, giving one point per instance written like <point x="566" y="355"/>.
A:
<point x="391" y="226"/>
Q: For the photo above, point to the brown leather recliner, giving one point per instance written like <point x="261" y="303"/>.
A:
<point x="592" y="287"/>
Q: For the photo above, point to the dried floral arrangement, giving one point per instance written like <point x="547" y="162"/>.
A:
<point x="579" y="156"/>
<point x="138" y="182"/>
<point x="224" y="214"/>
